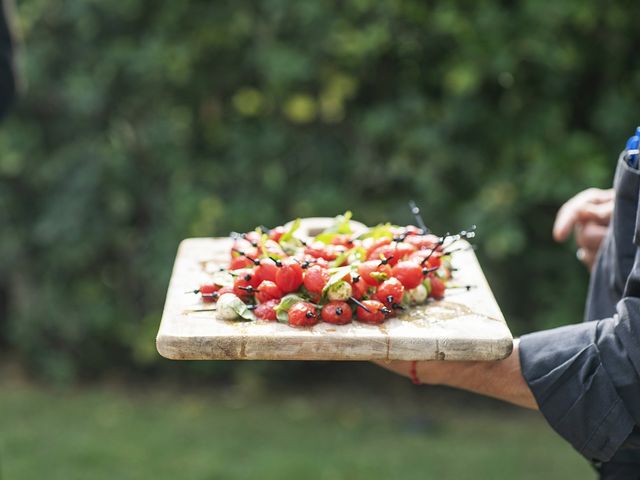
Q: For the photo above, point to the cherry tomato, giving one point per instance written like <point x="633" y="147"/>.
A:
<point x="394" y="252"/>
<point x="317" y="250"/>
<point x="381" y="271"/>
<point x="252" y="237"/>
<point x="376" y="314"/>
<point x="303" y="314"/>
<point x="409" y="273"/>
<point x="214" y="296"/>
<point x="276" y="233"/>
<point x="315" y="278"/>
<point x="422" y="241"/>
<point x="434" y="261"/>
<point x="403" y="250"/>
<point x="241" y="245"/>
<point x="383" y="252"/>
<point x="240" y="262"/>
<point x="418" y="256"/>
<point x="266" y="270"/>
<point x="337" y="312"/>
<point x="245" y="280"/>
<point x="272" y="249"/>
<point x="390" y="292"/>
<point x="268" y="290"/>
<point x="266" y="310"/>
<point x="437" y="288"/>
<point x="209" y="292"/>
<point x="344" y="240"/>
<point x="289" y="276"/>
<point x="359" y="286"/>
<point x="311" y="260"/>
<point x="327" y="252"/>
<point x="412" y="230"/>
<point x="370" y="244"/>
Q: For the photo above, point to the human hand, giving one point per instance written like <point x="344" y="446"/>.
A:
<point x="588" y="214"/>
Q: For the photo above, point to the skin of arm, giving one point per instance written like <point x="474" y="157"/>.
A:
<point x="588" y="215"/>
<point x="500" y="379"/>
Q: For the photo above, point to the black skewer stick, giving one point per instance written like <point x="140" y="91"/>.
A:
<point x="360" y="304"/>
<point x="210" y="295"/>
<point x="427" y="271"/>
<point x="276" y="261"/>
<point x="435" y="248"/>
<point x="459" y="249"/>
<point x="243" y="254"/>
<point x="249" y="289"/>
<point x="386" y="260"/>
<point x="458" y="287"/>
<point x="415" y="210"/>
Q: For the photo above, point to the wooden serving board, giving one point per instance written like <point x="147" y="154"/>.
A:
<point x="465" y="325"/>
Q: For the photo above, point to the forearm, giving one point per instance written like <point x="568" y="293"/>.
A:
<point x="500" y="379"/>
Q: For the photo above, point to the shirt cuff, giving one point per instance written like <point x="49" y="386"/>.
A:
<point x="575" y="394"/>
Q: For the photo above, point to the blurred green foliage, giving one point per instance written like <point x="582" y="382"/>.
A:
<point x="145" y="122"/>
<point x="163" y="433"/>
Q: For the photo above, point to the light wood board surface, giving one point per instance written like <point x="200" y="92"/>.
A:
<point x="465" y="325"/>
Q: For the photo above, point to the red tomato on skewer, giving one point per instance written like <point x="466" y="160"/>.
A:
<point x="289" y="276"/>
<point x="266" y="310"/>
<point x="336" y="312"/>
<point x="268" y="290"/>
<point x="315" y="278"/>
<point x="377" y="312"/>
<point x="374" y="272"/>
<point x="409" y="273"/>
<point x="390" y="292"/>
<point x="303" y="314"/>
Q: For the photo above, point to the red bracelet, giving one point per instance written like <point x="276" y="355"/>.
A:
<point x="413" y="373"/>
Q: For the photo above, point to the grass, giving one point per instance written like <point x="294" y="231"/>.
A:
<point x="159" y="432"/>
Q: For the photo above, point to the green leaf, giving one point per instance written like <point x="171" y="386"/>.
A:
<point x="287" y="302"/>
<point x="288" y="242"/>
<point x="379" y="276"/>
<point x="325" y="237"/>
<point x="379" y="231"/>
<point x="341" y="226"/>
<point x="288" y="235"/>
<point x="243" y="311"/>
<point x="282" y="316"/>
<point x="263" y="238"/>
<point x="340" y="259"/>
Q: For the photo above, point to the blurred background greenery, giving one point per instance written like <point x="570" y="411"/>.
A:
<point x="145" y="122"/>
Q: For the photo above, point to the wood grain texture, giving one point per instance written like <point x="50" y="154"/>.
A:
<point x="465" y="325"/>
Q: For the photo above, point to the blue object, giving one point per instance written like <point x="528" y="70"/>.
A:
<point x="632" y="152"/>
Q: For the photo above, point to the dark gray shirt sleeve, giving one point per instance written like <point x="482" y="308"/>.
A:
<point x="585" y="377"/>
